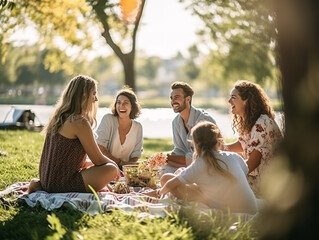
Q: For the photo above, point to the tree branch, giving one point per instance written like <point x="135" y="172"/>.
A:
<point x="99" y="9"/>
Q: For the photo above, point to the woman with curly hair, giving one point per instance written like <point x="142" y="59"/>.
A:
<point x="120" y="136"/>
<point x="259" y="134"/>
<point x="69" y="140"/>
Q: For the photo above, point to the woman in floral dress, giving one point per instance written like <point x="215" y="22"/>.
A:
<point x="259" y="134"/>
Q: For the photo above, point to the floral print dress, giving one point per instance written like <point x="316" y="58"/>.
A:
<point x="264" y="137"/>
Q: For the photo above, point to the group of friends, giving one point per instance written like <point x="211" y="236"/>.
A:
<point x="201" y="167"/>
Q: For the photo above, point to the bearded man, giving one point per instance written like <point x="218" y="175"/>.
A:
<point x="188" y="116"/>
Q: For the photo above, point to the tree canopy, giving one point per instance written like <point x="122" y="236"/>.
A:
<point x="76" y="23"/>
<point x="241" y="34"/>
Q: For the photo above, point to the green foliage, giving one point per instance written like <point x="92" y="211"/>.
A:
<point x="68" y="25"/>
<point x="26" y="66"/>
<point x="6" y="4"/>
<point x="147" y="67"/>
<point x="243" y="33"/>
<point x="55" y="225"/>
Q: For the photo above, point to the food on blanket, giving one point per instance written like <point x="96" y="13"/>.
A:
<point x="145" y="173"/>
<point x="140" y="176"/>
<point x="121" y="188"/>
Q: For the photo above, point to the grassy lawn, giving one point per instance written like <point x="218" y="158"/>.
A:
<point x="19" y="221"/>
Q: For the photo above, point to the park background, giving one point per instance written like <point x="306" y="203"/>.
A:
<point x="174" y="41"/>
<point x="240" y="41"/>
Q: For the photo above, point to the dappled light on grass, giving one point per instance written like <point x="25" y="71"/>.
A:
<point x="19" y="221"/>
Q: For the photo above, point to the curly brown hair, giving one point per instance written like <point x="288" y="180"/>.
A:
<point x="257" y="104"/>
<point x="129" y="93"/>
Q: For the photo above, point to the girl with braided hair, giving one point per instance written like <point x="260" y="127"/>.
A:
<point x="215" y="178"/>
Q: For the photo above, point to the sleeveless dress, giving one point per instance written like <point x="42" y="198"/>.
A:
<point x="61" y="161"/>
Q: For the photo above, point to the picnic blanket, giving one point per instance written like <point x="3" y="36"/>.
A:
<point x="87" y="202"/>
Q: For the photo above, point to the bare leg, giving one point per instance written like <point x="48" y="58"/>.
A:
<point x="34" y="186"/>
<point x="99" y="176"/>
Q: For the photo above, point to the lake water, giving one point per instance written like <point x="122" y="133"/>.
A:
<point x="156" y="122"/>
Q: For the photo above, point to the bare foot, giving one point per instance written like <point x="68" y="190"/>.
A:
<point x="35" y="185"/>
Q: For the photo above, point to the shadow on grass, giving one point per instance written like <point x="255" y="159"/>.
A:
<point x="31" y="223"/>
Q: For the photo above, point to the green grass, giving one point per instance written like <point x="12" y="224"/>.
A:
<point x="19" y="221"/>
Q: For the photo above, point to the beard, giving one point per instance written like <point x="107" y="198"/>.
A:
<point x="181" y="107"/>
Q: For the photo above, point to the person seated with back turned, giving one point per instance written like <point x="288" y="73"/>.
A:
<point x="181" y="102"/>
<point x="119" y="135"/>
<point x="215" y="178"/>
<point x="69" y="139"/>
<point x="259" y="134"/>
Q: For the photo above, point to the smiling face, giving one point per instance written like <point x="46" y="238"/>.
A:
<point x="123" y="106"/>
<point x="236" y="103"/>
<point x="178" y="100"/>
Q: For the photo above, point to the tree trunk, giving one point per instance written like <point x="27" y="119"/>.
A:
<point x="128" y="61"/>
<point x="292" y="215"/>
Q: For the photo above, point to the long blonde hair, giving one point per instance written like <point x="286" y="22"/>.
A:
<point x="207" y="139"/>
<point x="73" y="104"/>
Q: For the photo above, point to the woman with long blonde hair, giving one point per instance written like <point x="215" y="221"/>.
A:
<point x="69" y="140"/>
<point x="215" y="178"/>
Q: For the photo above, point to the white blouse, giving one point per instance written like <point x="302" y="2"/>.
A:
<point x="123" y="151"/>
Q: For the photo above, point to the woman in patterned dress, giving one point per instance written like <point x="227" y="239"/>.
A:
<point x="259" y="134"/>
<point x="69" y="140"/>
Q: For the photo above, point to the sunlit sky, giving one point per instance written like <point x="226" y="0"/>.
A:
<point x="166" y="28"/>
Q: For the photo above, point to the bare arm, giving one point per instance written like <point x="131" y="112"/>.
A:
<point x="119" y="162"/>
<point x="233" y="147"/>
<point x="133" y="160"/>
<point x="254" y="160"/>
<point x="109" y="155"/>
<point x="176" y="160"/>
<point x="84" y="133"/>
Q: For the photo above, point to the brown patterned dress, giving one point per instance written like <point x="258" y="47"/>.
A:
<point x="61" y="161"/>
